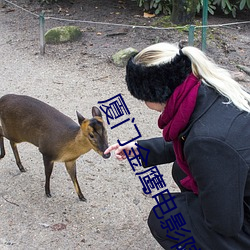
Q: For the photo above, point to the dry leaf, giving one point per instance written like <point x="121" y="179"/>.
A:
<point x="147" y="15"/>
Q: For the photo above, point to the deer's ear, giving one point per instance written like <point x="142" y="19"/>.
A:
<point x="96" y="112"/>
<point x="80" y="118"/>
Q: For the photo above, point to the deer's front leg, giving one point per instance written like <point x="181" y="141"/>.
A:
<point x="71" y="168"/>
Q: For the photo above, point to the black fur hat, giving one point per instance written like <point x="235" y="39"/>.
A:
<point x="156" y="83"/>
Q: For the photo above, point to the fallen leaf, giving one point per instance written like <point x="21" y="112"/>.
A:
<point x="147" y="15"/>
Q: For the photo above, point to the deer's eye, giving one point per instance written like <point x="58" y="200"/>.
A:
<point x="91" y="136"/>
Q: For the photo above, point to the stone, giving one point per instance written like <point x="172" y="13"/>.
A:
<point x="239" y="76"/>
<point x="2" y="3"/>
<point x="121" y="58"/>
<point x="63" y="34"/>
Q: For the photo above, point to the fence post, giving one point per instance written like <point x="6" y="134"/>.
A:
<point x="204" y="24"/>
<point x="191" y="35"/>
<point x="42" y="31"/>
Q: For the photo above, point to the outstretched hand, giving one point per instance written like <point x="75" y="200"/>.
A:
<point x="119" y="153"/>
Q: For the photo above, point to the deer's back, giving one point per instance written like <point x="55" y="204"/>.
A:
<point x="24" y="118"/>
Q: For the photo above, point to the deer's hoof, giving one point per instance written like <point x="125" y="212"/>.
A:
<point x="82" y="198"/>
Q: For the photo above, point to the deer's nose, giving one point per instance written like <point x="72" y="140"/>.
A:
<point x="106" y="156"/>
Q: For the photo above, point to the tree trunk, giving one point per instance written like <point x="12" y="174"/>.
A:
<point x="183" y="11"/>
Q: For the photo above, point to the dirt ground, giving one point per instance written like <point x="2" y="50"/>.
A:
<point x="75" y="76"/>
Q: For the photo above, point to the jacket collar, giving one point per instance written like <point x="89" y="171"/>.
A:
<point x="205" y="99"/>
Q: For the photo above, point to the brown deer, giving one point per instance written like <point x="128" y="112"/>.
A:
<point x="59" y="138"/>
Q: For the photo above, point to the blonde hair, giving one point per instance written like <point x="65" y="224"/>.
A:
<point x="203" y="67"/>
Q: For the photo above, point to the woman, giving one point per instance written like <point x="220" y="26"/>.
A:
<point x="205" y="118"/>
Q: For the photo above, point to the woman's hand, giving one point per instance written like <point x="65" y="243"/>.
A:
<point x="119" y="154"/>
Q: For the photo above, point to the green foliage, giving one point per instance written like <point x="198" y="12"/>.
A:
<point x="165" y="6"/>
<point x="157" y="6"/>
<point x="211" y="7"/>
<point x="226" y="6"/>
<point x="244" y="4"/>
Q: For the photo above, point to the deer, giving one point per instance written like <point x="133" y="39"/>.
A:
<point x="58" y="138"/>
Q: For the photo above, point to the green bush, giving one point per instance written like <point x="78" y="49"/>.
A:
<point x="211" y="7"/>
<point x="227" y="6"/>
<point x="157" y="6"/>
<point x="232" y="6"/>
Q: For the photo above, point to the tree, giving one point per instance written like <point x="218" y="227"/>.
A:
<point x="183" y="11"/>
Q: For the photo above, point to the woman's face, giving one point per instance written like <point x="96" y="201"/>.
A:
<point x="156" y="106"/>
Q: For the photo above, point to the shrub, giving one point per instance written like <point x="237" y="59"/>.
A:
<point x="157" y="6"/>
<point x="165" y="6"/>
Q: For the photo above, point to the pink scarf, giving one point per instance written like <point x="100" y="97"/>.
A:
<point x="174" y="119"/>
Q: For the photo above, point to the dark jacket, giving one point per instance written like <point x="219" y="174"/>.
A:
<point x="216" y="145"/>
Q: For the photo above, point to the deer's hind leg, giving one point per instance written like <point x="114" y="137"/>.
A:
<point x="15" y="151"/>
<point x="1" y="144"/>
<point x="71" y="168"/>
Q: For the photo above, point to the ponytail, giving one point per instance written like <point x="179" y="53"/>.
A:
<point x="218" y="78"/>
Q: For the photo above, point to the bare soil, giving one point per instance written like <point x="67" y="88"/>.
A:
<point x="75" y="76"/>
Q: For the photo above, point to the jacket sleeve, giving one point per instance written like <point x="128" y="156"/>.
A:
<point x="220" y="173"/>
<point x="160" y="151"/>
